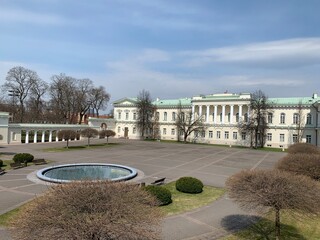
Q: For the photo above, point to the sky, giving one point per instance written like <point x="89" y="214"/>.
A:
<point x="172" y="48"/>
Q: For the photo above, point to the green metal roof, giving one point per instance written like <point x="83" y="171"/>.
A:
<point x="173" y="102"/>
<point x="293" y="101"/>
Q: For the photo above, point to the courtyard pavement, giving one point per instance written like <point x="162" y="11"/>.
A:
<point x="212" y="164"/>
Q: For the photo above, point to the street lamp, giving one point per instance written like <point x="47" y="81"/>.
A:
<point x="13" y="93"/>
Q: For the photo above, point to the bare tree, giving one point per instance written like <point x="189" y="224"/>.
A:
<point x="63" y="104"/>
<point x="301" y="163"/>
<point x="89" y="133"/>
<point x="20" y="81"/>
<point x="99" y="99"/>
<point x="257" y="125"/>
<point x="187" y="123"/>
<point x="145" y="110"/>
<point x="261" y="190"/>
<point x="90" y="211"/>
<point x="36" y="102"/>
<point x="67" y="135"/>
<point x="106" y="133"/>
<point x="300" y="118"/>
<point x="82" y="94"/>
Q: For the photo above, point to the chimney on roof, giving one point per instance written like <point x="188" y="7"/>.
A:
<point x="314" y="96"/>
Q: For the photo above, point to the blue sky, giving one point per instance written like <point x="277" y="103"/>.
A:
<point x="173" y="48"/>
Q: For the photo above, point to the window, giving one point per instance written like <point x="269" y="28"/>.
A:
<point x="309" y="117"/>
<point x="282" y="118"/>
<point x="203" y="134"/>
<point x="308" y="138"/>
<point x="165" y="116"/>
<point x="229" y="117"/>
<point x="270" y="116"/>
<point x="226" y="135"/>
<point x="119" y="115"/>
<point x="157" y="115"/>
<point x="213" y="117"/>
<point x="173" y="116"/>
<point x="235" y="135"/>
<point x="127" y="116"/>
<point x="134" y="130"/>
<point x="281" y="137"/>
<point x="237" y="117"/>
<point x="218" y="134"/>
<point x="220" y="117"/>
<point x="164" y="131"/>
<point x="295" y="138"/>
<point x="119" y="129"/>
<point x="246" y="117"/>
<point x="173" y="131"/>
<point x="296" y="118"/>
<point x="269" y="136"/>
<point x="243" y="135"/>
<point x="196" y="133"/>
<point x="210" y="134"/>
<point x="134" y="116"/>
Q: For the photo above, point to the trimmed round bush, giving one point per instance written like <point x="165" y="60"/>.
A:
<point x="189" y="185"/>
<point x="302" y="164"/>
<point x="162" y="194"/>
<point x="1" y="163"/>
<point x="303" y="148"/>
<point x="23" y="158"/>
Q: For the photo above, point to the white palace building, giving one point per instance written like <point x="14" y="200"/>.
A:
<point x="221" y="113"/>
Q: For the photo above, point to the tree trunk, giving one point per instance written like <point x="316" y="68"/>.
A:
<point x="67" y="143"/>
<point x="277" y="224"/>
<point x="107" y="140"/>
<point x="88" y="141"/>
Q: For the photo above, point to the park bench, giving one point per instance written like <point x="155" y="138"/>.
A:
<point x="39" y="161"/>
<point x="16" y="165"/>
<point x="2" y="171"/>
<point x="159" y="181"/>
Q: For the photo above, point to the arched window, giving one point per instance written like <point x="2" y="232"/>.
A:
<point x="296" y="118"/>
<point x="246" y="117"/>
<point x="270" y="116"/>
<point x="309" y="118"/>
<point x="165" y="115"/>
<point x="220" y="117"/>
<point x="173" y="116"/>
<point x="237" y="117"/>
<point x="282" y="118"/>
<point x="229" y="117"/>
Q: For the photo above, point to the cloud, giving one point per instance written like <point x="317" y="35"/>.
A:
<point x="24" y="16"/>
<point x="250" y="81"/>
<point x="284" y="53"/>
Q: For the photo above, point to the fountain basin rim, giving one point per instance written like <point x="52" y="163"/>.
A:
<point x="41" y="172"/>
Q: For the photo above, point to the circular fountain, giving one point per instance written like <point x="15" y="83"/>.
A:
<point x="86" y="171"/>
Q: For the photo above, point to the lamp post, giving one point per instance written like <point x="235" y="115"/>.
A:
<point x="13" y="93"/>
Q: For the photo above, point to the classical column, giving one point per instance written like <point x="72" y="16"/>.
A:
<point x="43" y="136"/>
<point x="27" y="136"/>
<point x="57" y="138"/>
<point x="208" y="111"/>
<point x="50" y="136"/>
<point x="200" y="111"/>
<point x="215" y="114"/>
<point x="35" y="137"/>
<point x="192" y="113"/>
<point x="223" y="113"/>
<point x="231" y="114"/>
<point x="240" y="113"/>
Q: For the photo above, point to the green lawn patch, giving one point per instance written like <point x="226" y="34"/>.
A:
<point x="292" y="228"/>
<point x="6" y="164"/>
<point x="183" y="202"/>
<point x="8" y="216"/>
<point x="81" y="147"/>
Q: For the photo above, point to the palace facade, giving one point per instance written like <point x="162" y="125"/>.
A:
<point x="289" y="120"/>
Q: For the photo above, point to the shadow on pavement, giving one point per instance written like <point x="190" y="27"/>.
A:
<point x="257" y="228"/>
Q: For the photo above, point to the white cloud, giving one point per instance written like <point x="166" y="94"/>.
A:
<point x="284" y="53"/>
<point x="19" y="15"/>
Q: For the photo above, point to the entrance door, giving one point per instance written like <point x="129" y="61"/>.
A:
<point x="126" y="130"/>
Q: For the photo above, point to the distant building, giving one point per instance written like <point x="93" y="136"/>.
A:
<point x="222" y="114"/>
